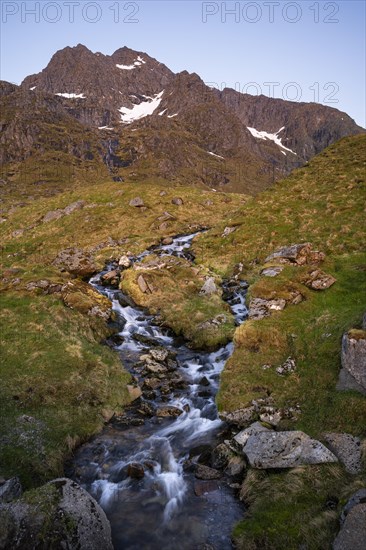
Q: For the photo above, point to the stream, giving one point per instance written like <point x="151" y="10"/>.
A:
<point x="141" y="468"/>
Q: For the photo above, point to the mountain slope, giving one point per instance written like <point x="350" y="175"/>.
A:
<point x="140" y="111"/>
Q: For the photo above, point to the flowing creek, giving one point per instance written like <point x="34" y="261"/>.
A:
<point x="141" y="467"/>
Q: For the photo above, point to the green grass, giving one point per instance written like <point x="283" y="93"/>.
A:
<point x="53" y="369"/>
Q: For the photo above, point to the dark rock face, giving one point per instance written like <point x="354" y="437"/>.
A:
<point x="58" y="515"/>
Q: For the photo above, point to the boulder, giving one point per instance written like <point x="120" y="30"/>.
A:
<point x="124" y="262"/>
<point x="353" y="355"/>
<point x="298" y="254"/>
<point x="285" y="450"/>
<point x="259" y="308"/>
<point x="159" y="354"/>
<point x="58" y="515"/>
<point x="209" y="287"/>
<point x="347" y="449"/>
<point x="134" y="392"/>
<point x="135" y="470"/>
<point x="178" y="201"/>
<point x="10" y="490"/>
<point x="272" y="271"/>
<point x="241" y="418"/>
<point x="353" y="531"/>
<point x="137" y="202"/>
<point x="111" y="278"/>
<point x="227" y="231"/>
<point x="220" y="456"/>
<point x="207" y="473"/>
<point x="76" y="261"/>
<point x="359" y="497"/>
<point x="318" y="280"/>
<point x="236" y="466"/>
<point x="240" y="439"/>
<point x="143" y="285"/>
<point x="168" y="411"/>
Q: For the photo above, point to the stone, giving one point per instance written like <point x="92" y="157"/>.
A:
<point x="178" y="201"/>
<point x="270" y="416"/>
<point x="207" y="473"/>
<point x="295" y="253"/>
<point x="347" y="382"/>
<point x="318" y="280"/>
<point x="143" y="284"/>
<point x="137" y="202"/>
<point x="61" y="514"/>
<point x="272" y="271"/>
<point x="159" y="354"/>
<point x="353" y="531"/>
<point x="287" y="367"/>
<point x="236" y="466"/>
<point x="134" y="392"/>
<point x="353" y="355"/>
<point x="203" y="487"/>
<point x="227" y="231"/>
<point x="85" y="299"/>
<point x="167" y="240"/>
<point x="110" y="278"/>
<point x="359" y="497"/>
<point x="124" y="262"/>
<point x="347" y="449"/>
<point x="53" y="215"/>
<point x="10" y="490"/>
<point x="285" y="450"/>
<point x="258" y="309"/>
<point x="241" y="418"/>
<point x="76" y="261"/>
<point x="220" y="456"/>
<point x="135" y="470"/>
<point x="240" y="439"/>
<point x="276" y="305"/>
<point x="78" y="205"/>
<point x="155" y="368"/>
<point x="168" y="411"/>
<point x="209" y="287"/>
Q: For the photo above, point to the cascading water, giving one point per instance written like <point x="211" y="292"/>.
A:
<point x="137" y="470"/>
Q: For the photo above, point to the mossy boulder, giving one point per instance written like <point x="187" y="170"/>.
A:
<point x="83" y="298"/>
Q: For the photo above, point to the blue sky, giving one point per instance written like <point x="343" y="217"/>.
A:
<point x="309" y="51"/>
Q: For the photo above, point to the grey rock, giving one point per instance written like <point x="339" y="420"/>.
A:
<point x="52" y="216"/>
<point x="209" y="287"/>
<point x="220" y="456"/>
<point x="227" y="231"/>
<point x="124" y="262"/>
<point x="137" y="202"/>
<point x="241" y="418"/>
<point x="270" y="415"/>
<point x="242" y="437"/>
<point x="159" y="354"/>
<point x="357" y="498"/>
<point x="78" y="205"/>
<point x="353" y="531"/>
<point x="285" y="450"/>
<point x="289" y="253"/>
<point x="347" y="382"/>
<point x="347" y="449"/>
<point x="10" y="490"/>
<point x="236" y="466"/>
<point x="354" y="356"/>
<point x="259" y="308"/>
<point x="272" y="271"/>
<point x="76" y="261"/>
<point x="178" y="201"/>
<point x="65" y="516"/>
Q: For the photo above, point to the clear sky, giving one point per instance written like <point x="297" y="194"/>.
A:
<point x="304" y="50"/>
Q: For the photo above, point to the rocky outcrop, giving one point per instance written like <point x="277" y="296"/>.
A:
<point x="347" y="449"/>
<point x="285" y="450"/>
<point x="76" y="261"/>
<point x="58" y="515"/>
<point x="298" y="254"/>
<point x="259" y="307"/>
<point x="318" y="280"/>
<point x="209" y="287"/>
<point x="61" y="212"/>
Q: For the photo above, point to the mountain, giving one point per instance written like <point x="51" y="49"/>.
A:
<point x="131" y="117"/>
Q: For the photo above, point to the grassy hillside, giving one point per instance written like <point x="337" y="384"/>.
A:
<point x="322" y="203"/>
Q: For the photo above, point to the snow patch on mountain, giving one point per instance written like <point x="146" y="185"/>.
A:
<point x="143" y="109"/>
<point x="273" y="137"/>
<point x="33" y="88"/>
<point x="139" y="61"/>
<point x="72" y="96"/>
<point x="172" y="116"/>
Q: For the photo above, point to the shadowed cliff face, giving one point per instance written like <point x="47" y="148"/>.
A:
<point x="159" y="124"/>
